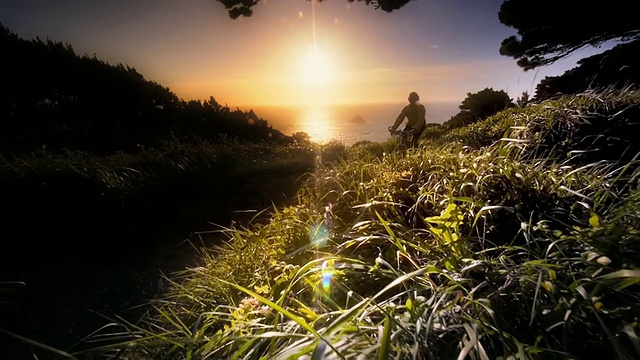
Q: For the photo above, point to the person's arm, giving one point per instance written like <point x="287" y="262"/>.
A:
<point x="422" y="117"/>
<point x="399" y="120"/>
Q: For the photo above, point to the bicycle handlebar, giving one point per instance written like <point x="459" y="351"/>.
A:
<point x="400" y="132"/>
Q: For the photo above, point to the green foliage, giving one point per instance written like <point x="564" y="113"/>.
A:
<point x="74" y="192"/>
<point x="515" y="249"/>
<point x="478" y="106"/>
<point x="366" y="148"/>
<point x="122" y="173"/>
<point x="332" y="151"/>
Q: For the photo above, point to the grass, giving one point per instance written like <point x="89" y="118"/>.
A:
<point x="516" y="237"/>
<point x="73" y="187"/>
<point x="126" y="173"/>
<point x="79" y="224"/>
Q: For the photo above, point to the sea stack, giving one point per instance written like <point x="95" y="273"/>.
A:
<point x="358" y="119"/>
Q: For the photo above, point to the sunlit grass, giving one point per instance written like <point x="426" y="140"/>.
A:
<point x="500" y="239"/>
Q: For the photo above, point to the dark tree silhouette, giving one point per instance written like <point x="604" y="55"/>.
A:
<point x="478" y="106"/>
<point x="237" y="8"/>
<point x="549" y="30"/>
<point x="523" y="99"/>
<point x="49" y="96"/>
<point x="615" y="68"/>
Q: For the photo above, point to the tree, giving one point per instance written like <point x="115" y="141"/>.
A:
<point x="237" y="8"/>
<point x="523" y="99"/>
<point x="549" y="30"/>
<point x="84" y="103"/>
<point x="479" y="106"/>
<point x="485" y="103"/>
<point x="616" y="68"/>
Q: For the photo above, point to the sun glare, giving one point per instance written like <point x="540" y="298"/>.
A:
<point x="315" y="69"/>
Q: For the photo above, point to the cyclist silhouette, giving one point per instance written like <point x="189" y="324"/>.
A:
<point x="416" y="118"/>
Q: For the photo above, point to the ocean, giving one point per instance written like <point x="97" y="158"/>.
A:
<point x="345" y="123"/>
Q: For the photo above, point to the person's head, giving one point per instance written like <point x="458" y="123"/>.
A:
<point x="413" y="97"/>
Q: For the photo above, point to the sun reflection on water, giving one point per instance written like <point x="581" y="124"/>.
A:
<point x="316" y="121"/>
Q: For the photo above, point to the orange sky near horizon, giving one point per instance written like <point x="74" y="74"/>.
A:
<point x="443" y="49"/>
<point x="279" y="41"/>
<point x="363" y="65"/>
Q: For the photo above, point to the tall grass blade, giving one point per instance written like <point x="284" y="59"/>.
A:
<point x="385" y="340"/>
<point x="39" y="345"/>
<point x="298" y="320"/>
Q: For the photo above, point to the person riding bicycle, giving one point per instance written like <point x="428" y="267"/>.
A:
<point x="416" y="118"/>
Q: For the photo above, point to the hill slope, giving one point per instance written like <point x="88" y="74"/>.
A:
<point x="525" y="247"/>
<point x="52" y="98"/>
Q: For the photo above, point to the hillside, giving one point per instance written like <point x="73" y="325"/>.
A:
<point x="514" y="237"/>
<point x="103" y="175"/>
<point x="53" y="99"/>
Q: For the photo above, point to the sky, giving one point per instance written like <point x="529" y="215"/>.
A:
<point x="351" y="53"/>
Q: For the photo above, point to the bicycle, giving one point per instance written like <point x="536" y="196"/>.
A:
<point x="402" y="137"/>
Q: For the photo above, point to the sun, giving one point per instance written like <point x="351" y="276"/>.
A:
<point x="315" y="68"/>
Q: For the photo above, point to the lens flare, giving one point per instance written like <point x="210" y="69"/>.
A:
<point x="318" y="353"/>
<point x="327" y="275"/>
<point x="319" y="235"/>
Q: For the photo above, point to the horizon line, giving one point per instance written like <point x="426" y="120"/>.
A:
<point x="338" y="103"/>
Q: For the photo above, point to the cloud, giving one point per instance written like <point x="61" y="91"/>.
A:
<point x="434" y="46"/>
<point x="412" y="74"/>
